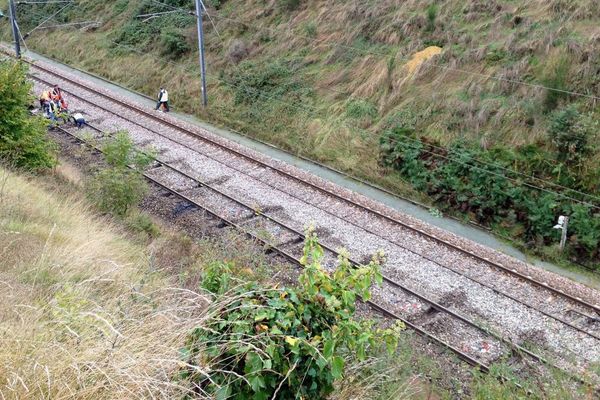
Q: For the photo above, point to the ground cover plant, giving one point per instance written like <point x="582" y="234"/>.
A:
<point x="490" y="186"/>
<point x="285" y="343"/>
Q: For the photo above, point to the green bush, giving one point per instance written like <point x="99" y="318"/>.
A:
<point x="23" y="141"/>
<point x="142" y="223"/>
<point x="361" y="109"/>
<point x="555" y="77"/>
<point x="173" y="44"/>
<point x="283" y="343"/>
<point x="134" y="33"/>
<point x="120" y="6"/>
<point x="256" y="83"/>
<point x="310" y="29"/>
<point x="568" y="134"/>
<point x="491" y="191"/>
<point x="431" y="12"/>
<point x="117" y="188"/>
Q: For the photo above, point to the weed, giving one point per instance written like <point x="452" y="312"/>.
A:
<point x="173" y="44"/>
<point x="479" y="182"/>
<point x="310" y="29"/>
<point x="555" y="77"/>
<point x="361" y="109"/>
<point x="140" y="222"/>
<point x="568" y="135"/>
<point x="120" y="186"/>
<point x="289" y="5"/>
<point x="120" y="6"/>
<point x="284" y="343"/>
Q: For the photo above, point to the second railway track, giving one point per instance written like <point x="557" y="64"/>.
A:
<point x="570" y="305"/>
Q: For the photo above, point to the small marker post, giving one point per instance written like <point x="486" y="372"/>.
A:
<point x="562" y="224"/>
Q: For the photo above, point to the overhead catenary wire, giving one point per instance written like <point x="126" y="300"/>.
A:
<point x="47" y="19"/>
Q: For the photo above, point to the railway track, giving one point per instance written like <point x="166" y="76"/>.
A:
<point x="292" y="253"/>
<point x="295" y="236"/>
<point x="287" y="254"/>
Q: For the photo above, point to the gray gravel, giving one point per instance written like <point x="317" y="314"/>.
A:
<point x="430" y="268"/>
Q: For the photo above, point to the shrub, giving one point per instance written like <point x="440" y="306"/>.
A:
<point x="120" y="6"/>
<point x="142" y="223"/>
<point x="134" y="33"/>
<point x="568" y="134"/>
<point x="238" y="50"/>
<point x="361" y="109"/>
<point x="284" y="343"/>
<point x="481" y="184"/>
<point x="173" y="44"/>
<point x="121" y="185"/>
<point x="23" y="141"/>
<point x="431" y="11"/>
<point x="310" y="29"/>
<point x="257" y="83"/>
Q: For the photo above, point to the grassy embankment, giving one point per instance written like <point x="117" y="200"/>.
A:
<point x="85" y="313"/>
<point x="326" y="79"/>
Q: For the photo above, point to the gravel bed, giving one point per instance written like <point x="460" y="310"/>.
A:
<point x="363" y="233"/>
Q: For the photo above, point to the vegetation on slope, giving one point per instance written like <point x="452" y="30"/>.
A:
<point x="325" y="79"/>
<point x="91" y="312"/>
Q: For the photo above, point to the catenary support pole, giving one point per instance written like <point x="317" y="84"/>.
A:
<point x="13" y="22"/>
<point x="199" y="13"/>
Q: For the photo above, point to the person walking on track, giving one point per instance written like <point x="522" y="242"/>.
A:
<point x="163" y="100"/>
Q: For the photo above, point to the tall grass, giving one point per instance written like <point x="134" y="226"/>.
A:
<point x="82" y="313"/>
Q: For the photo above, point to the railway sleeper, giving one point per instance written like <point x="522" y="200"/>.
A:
<point x="183" y="207"/>
<point x="291" y="242"/>
<point x="245" y="218"/>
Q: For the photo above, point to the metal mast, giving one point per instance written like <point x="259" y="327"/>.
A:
<point x="199" y="13"/>
<point x="15" y="29"/>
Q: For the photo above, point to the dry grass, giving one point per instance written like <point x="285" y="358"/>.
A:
<point x="87" y="314"/>
<point x="81" y="313"/>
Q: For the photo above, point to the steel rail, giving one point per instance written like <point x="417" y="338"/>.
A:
<point x="549" y="315"/>
<point x="328" y="192"/>
<point x="514" y="348"/>
<point x="462" y="355"/>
